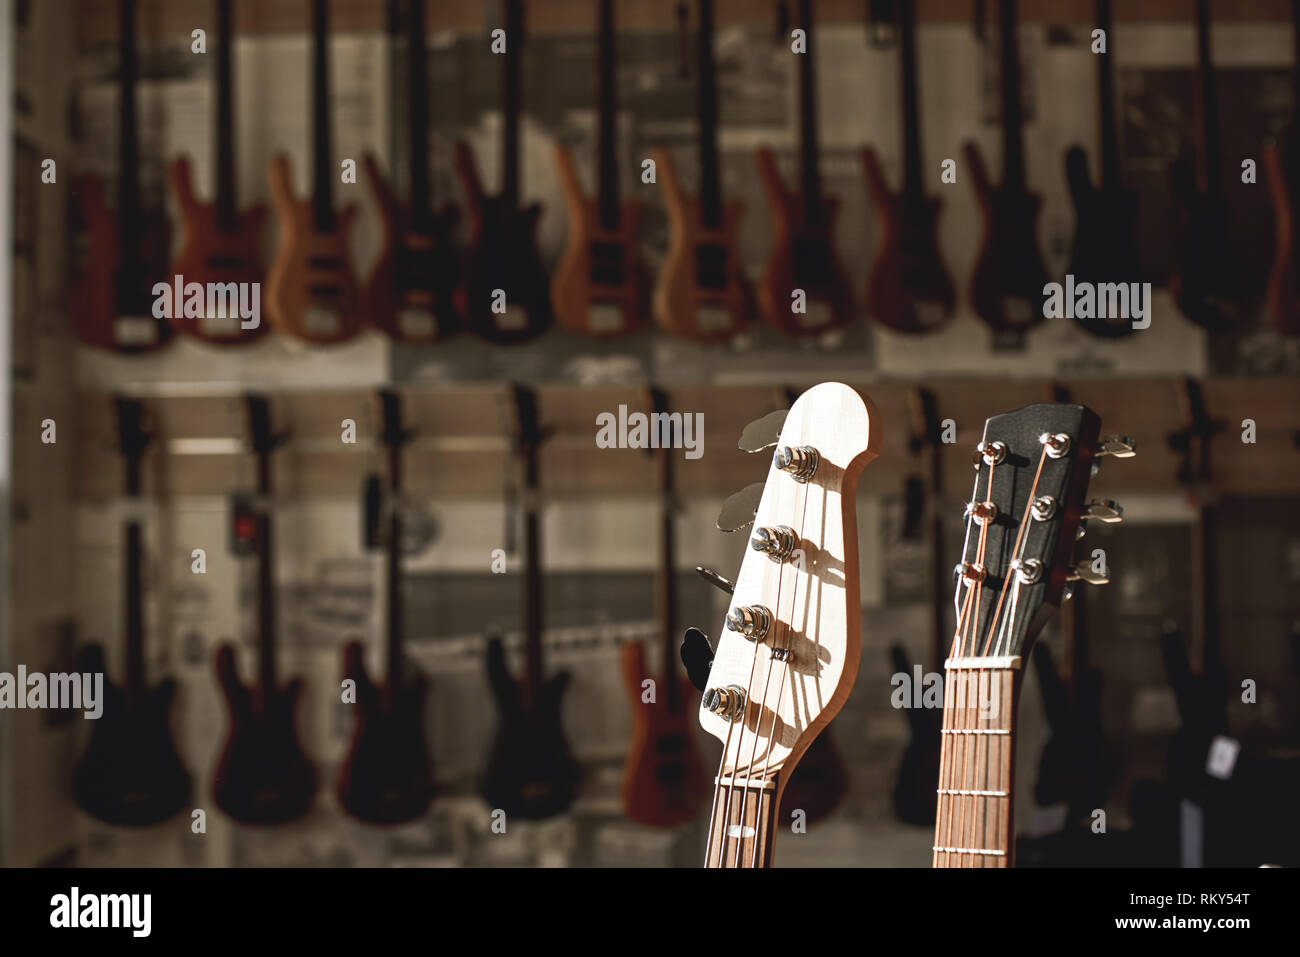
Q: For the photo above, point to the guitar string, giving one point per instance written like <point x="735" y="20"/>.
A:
<point x="1020" y="537"/>
<point x="713" y="813"/>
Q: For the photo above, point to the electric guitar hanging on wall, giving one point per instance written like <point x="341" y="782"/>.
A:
<point x="788" y="656"/>
<point x="263" y="776"/>
<point x="311" y="290"/>
<point x="600" y="285"/>
<point x="112" y="303"/>
<point x="222" y="245"/>
<point x="1206" y="280"/>
<point x="387" y="777"/>
<point x="530" y="772"/>
<point x="130" y="773"/>
<point x="410" y="292"/>
<point x="1007" y="284"/>
<point x="503" y="259"/>
<point x="908" y="288"/>
<point x="1105" y="215"/>
<point x="662" y="779"/>
<point x="701" y="292"/>
<point x="1282" y="173"/>
<point x="803" y="249"/>
<point x="1034" y="466"/>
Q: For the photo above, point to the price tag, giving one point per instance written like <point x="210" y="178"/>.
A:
<point x="1222" y="758"/>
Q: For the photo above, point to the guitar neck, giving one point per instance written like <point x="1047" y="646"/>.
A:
<point x="1111" y="177"/>
<point x="128" y="159"/>
<point x="266" y="677"/>
<point x="1211" y="152"/>
<point x="742" y="825"/>
<point x="811" y="177"/>
<point x="975" y="822"/>
<point x="418" y="116"/>
<point x="511" y="104"/>
<point x="606" y="96"/>
<point x="322" y="189"/>
<point x="134" y="679"/>
<point x="667" y="597"/>
<point x="225" y="137"/>
<point x="913" y="178"/>
<point x="393" y="573"/>
<point x="707" y="107"/>
<point x="1013" y="144"/>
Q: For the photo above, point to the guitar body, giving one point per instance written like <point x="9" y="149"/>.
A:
<point x="662" y="779"/>
<point x="914" y="795"/>
<point x="311" y="291"/>
<point x="131" y="773"/>
<point x="410" y="293"/>
<point x="503" y="255"/>
<point x="600" y="287"/>
<point x="530" y="773"/>
<point x="1283" y="296"/>
<point x="1105" y="238"/>
<point x="263" y="776"/>
<point x="1206" y="281"/>
<point x="908" y="286"/>
<point x="112" y="302"/>
<point x="1007" y="284"/>
<point x="387" y="777"/>
<point x="210" y="254"/>
<point x="803" y="257"/>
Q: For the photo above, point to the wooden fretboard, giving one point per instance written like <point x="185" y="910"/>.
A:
<point x="743" y="823"/>
<point x="974" y="826"/>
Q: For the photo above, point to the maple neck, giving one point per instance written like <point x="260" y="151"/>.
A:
<point x="913" y="178"/>
<point x="811" y="177"/>
<point x="1111" y="177"/>
<point x="511" y="72"/>
<point x="128" y="158"/>
<point x="1211" y="151"/>
<point x="742" y="825"/>
<point x="707" y="112"/>
<point x="975" y="825"/>
<point x="418" y="116"/>
<point x="393" y="571"/>
<point x="225" y="136"/>
<point x="606" y="100"/>
<point x="1013" y="143"/>
<point x="322" y="188"/>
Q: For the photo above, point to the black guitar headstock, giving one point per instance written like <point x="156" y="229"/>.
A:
<point x="1033" y="468"/>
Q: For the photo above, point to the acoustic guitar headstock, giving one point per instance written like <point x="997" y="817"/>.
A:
<point x="1032" y="467"/>
<point x="788" y="653"/>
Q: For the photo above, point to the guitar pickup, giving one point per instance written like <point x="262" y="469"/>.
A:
<point x="325" y="290"/>
<point x="225" y="262"/>
<point x="711" y="266"/>
<point x="607" y="264"/>
<point x="324" y="262"/>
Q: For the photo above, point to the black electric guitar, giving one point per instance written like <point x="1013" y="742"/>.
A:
<point x="130" y="772"/>
<point x="909" y="288"/>
<point x="530" y="773"/>
<point x="1007" y="284"/>
<point x="263" y="776"/>
<point x="1105" y="216"/>
<point x="914" y="797"/>
<point x="506" y="297"/>
<point x="1207" y="277"/>
<point x="387" y="776"/>
<point x="410" y="293"/>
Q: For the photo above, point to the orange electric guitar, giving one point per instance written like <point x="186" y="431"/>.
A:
<point x="112" y="305"/>
<point x="221" y="244"/>
<point x="803" y="254"/>
<point x="702" y="293"/>
<point x="410" y="293"/>
<point x="311" y="289"/>
<point x="599" y="288"/>
<point x="662" y="779"/>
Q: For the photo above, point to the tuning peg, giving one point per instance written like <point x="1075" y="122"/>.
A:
<point x="697" y="657"/>
<point x="1084" y="573"/>
<point x="739" y="509"/>
<point x="1104" y="510"/>
<point x="762" y="433"/>
<point x="1120" y="446"/>
<point x="713" y="578"/>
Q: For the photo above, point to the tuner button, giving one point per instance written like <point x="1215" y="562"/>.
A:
<point x="1104" y="510"/>
<point x="993" y="453"/>
<point x="1056" y="443"/>
<point x="763" y="433"/>
<point x="1028" y="570"/>
<point x="697" y="657"/>
<point x="738" y="510"/>
<point x="776" y="542"/>
<point x="751" y="621"/>
<point x="728" y="702"/>
<point x="1044" y="507"/>
<point x="980" y="512"/>
<point x="1084" y="573"/>
<point x="970" y="573"/>
<point x="801" y="461"/>
<point x="713" y="578"/>
<point x="1120" y="446"/>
